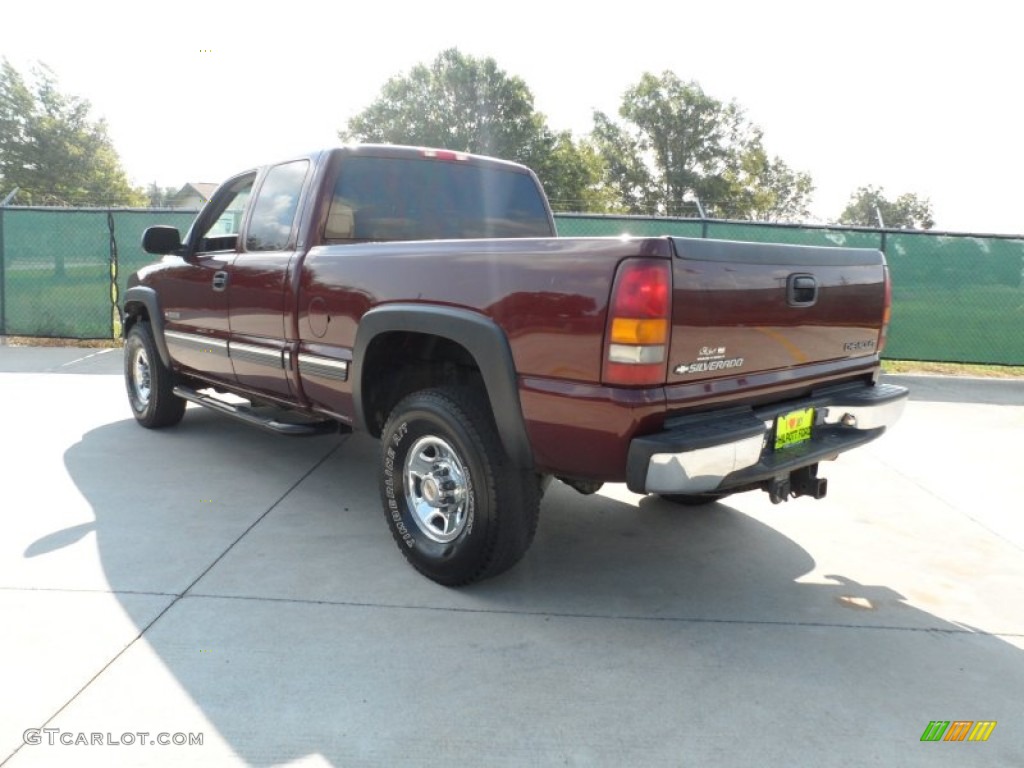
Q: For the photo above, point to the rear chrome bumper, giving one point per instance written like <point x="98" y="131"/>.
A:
<point x="735" y="448"/>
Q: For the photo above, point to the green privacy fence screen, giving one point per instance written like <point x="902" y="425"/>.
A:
<point x="956" y="297"/>
<point x="59" y="267"/>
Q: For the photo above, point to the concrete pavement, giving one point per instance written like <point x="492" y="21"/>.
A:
<point x="212" y="580"/>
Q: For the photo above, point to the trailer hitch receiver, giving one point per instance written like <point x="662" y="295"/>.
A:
<point x="801" y="482"/>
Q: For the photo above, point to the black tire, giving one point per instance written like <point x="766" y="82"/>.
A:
<point x="458" y="509"/>
<point x="148" y="381"/>
<point x="693" y="499"/>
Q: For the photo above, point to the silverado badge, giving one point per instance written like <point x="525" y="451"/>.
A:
<point x="710" y="358"/>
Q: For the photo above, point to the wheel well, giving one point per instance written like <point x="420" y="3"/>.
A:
<point x="133" y="313"/>
<point x="398" y="363"/>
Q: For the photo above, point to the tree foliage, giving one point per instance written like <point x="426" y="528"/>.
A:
<point x="908" y="211"/>
<point x="672" y="143"/>
<point x="573" y="175"/>
<point x="51" y="150"/>
<point x="767" y="189"/>
<point x="159" y="197"/>
<point x="467" y="104"/>
<point x="457" y="102"/>
<point x="675" y="144"/>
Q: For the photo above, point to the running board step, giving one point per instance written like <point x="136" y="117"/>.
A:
<point x="268" y="421"/>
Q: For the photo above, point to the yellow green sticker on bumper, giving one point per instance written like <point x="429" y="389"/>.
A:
<point x="793" y="428"/>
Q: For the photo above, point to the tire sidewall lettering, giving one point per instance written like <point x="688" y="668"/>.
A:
<point x="400" y="432"/>
<point x="389" y="494"/>
<point x="470" y="503"/>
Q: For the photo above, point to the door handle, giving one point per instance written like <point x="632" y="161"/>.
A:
<point x="220" y="281"/>
<point x="801" y="290"/>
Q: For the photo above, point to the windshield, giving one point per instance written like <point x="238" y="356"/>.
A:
<point x="383" y="198"/>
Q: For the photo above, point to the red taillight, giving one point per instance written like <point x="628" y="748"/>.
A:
<point x="883" y="336"/>
<point x="641" y="290"/>
<point x="636" y="339"/>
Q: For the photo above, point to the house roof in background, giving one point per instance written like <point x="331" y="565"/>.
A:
<point x="201" y="188"/>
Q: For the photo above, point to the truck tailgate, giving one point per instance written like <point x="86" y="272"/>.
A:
<point x="744" y="308"/>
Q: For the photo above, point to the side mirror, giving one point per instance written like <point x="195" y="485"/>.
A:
<point x="161" y="240"/>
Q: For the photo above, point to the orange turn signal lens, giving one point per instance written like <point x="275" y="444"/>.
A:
<point x="627" y="330"/>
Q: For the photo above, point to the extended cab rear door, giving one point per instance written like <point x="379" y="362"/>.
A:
<point x="259" y="286"/>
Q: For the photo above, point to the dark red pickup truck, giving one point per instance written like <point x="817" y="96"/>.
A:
<point x="422" y="296"/>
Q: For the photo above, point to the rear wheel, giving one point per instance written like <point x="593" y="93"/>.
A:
<point x="149" y="382"/>
<point x="459" y="510"/>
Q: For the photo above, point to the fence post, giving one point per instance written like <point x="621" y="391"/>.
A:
<point x="3" y="272"/>
<point x="112" y="292"/>
<point x="703" y="218"/>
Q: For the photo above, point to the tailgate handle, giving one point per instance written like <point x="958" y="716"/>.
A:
<point x="801" y="290"/>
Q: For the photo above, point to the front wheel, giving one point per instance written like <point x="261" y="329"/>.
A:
<point x="459" y="510"/>
<point x="149" y="383"/>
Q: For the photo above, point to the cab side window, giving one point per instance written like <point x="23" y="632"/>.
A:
<point x="273" y="214"/>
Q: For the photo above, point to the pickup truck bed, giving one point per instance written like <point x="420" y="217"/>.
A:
<point x="352" y="289"/>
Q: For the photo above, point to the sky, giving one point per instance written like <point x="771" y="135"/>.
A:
<point x="910" y="96"/>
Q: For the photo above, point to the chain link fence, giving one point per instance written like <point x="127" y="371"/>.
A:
<point x="63" y="270"/>
<point x="956" y="297"/>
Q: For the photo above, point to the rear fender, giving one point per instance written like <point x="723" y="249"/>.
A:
<point x="480" y="336"/>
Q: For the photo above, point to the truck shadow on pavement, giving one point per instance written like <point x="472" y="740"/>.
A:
<point x="643" y="630"/>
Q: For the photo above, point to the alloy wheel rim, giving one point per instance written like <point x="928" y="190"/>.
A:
<point x="436" y="489"/>
<point x="141" y="377"/>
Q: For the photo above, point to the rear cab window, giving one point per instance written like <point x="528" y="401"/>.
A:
<point x="410" y="198"/>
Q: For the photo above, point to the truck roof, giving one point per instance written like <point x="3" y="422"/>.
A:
<point x="404" y="151"/>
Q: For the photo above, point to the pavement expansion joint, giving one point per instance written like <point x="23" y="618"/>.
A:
<point x="959" y="630"/>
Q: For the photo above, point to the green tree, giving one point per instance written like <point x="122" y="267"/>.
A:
<point x="675" y="142"/>
<point x="159" y="197"/>
<point x="674" y="145"/>
<point x="767" y="189"/>
<point x="908" y="211"/>
<point x="458" y="102"/>
<point x="573" y="174"/>
<point x="625" y="169"/>
<point x="468" y="104"/>
<point x="51" y="150"/>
